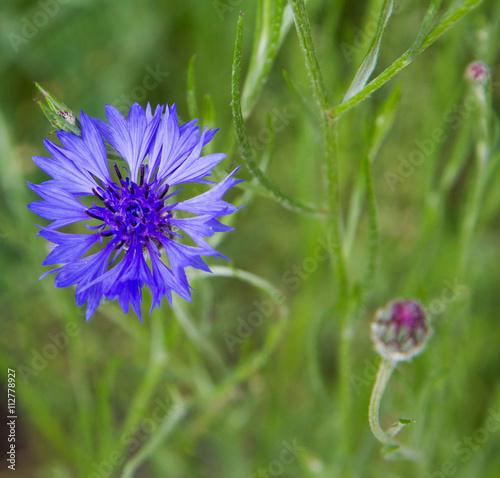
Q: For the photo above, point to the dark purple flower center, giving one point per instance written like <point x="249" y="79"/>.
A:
<point x="132" y="213"/>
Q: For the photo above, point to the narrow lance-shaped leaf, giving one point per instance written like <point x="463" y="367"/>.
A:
<point x="370" y="61"/>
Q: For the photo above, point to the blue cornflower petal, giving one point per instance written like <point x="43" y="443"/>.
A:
<point x="58" y="205"/>
<point x="88" y="151"/>
<point x="68" y="247"/>
<point x="137" y="227"/>
<point x="132" y="137"/>
<point x="69" y="176"/>
<point x="199" y="227"/>
<point x="82" y="271"/>
<point x="210" y="202"/>
<point x="165" y="281"/>
<point x="199" y="169"/>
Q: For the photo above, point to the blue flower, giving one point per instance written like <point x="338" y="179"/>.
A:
<point x="135" y="221"/>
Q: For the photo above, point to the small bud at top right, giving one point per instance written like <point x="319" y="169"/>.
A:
<point x="477" y="73"/>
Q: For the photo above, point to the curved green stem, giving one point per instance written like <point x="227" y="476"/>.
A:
<point x="385" y="370"/>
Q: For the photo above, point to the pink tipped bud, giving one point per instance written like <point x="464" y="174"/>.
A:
<point x="400" y="330"/>
<point x="477" y="73"/>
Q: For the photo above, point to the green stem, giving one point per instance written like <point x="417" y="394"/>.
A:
<point x="329" y="130"/>
<point x="385" y="370"/>
<point x="303" y="28"/>
<point x="329" y="133"/>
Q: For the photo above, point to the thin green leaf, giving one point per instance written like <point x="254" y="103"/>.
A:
<point x="191" y="90"/>
<point x="425" y="27"/>
<point x="370" y="61"/>
<point x="455" y="13"/>
<point x="450" y="18"/>
<point x="287" y="201"/>
<point x="265" y="48"/>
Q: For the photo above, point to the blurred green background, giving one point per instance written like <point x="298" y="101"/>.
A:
<point x="93" y="393"/>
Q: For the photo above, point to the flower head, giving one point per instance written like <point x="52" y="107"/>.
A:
<point x="400" y="330"/>
<point x="136" y="221"/>
<point x="477" y="73"/>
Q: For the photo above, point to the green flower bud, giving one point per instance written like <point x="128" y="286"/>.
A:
<point x="58" y="114"/>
